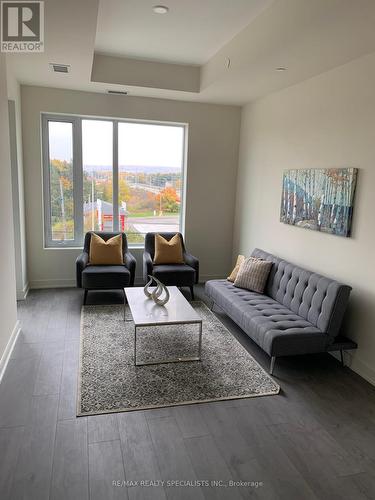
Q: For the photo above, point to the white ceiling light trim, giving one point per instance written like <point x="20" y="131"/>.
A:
<point x="160" y="9"/>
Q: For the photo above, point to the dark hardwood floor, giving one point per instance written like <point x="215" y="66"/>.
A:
<point x="315" y="440"/>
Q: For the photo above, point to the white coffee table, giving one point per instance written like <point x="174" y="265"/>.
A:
<point x="146" y="313"/>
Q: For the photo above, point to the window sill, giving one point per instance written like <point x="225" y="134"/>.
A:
<point x="130" y="247"/>
<point x="62" y="248"/>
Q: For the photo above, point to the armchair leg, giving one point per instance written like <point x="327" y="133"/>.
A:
<point x="85" y="297"/>
<point x="192" y="293"/>
<point x="272" y="365"/>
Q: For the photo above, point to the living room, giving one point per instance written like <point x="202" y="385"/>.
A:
<point x="200" y="135"/>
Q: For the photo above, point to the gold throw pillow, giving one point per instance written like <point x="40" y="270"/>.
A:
<point x="168" y="252"/>
<point x="106" y="252"/>
<point x="233" y="274"/>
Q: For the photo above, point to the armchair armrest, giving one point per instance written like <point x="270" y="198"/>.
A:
<point x="193" y="262"/>
<point x="130" y="263"/>
<point x="81" y="262"/>
<point x="147" y="265"/>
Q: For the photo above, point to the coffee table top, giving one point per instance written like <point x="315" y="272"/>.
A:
<point x="146" y="313"/>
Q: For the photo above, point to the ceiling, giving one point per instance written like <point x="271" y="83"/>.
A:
<point x="68" y="39"/>
<point x="191" y="33"/>
<point x="223" y="51"/>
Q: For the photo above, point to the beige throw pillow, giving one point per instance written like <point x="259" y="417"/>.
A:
<point x="168" y="252"/>
<point x="106" y="252"/>
<point x="253" y="274"/>
<point x="233" y="274"/>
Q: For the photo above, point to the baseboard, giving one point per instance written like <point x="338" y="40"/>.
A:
<point x="356" y="365"/>
<point x="207" y="277"/>
<point x="9" y="348"/>
<point x="202" y="279"/>
<point x="22" y="294"/>
<point x="52" y="283"/>
<point x="363" y="369"/>
<point x="67" y="283"/>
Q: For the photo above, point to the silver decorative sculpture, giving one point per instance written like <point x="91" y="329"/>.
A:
<point x="157" y="292"/>
<point x="147" y="286"/>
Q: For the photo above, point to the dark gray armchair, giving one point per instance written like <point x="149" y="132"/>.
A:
<point x="186" y="274"/>
<point x="111" y="277"/>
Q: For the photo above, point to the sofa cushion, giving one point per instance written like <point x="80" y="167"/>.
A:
<point x="175" y="274"/>
<point x="106" y="252"/>
<point x="168" y="251"/>
<point x="274" y="327"/>
<point x="110" y="277"/>
<point x="253" y="274"/>
<point x="233" y="274"/>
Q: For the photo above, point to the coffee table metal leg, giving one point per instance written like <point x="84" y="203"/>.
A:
<point x="135" y="345"/>
<point x="175" y="360"/>
<point x="200" y="341"/>
<point x="124" y="304"/>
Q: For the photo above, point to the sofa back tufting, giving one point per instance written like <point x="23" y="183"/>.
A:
<point x="319" y="300"/>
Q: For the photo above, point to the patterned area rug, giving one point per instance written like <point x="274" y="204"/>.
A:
<point x="109" y="381"/>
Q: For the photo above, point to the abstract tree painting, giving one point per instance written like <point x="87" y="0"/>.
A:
<point x="319" y="199"/>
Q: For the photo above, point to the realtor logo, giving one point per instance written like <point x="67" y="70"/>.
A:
<point x="22" y="26"/>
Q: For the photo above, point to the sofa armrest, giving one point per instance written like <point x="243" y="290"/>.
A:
<point x="147" y="266"/>
<point x="81" y="262"/>
<point x="193" y="262"/>
<point x="130" y="263"/>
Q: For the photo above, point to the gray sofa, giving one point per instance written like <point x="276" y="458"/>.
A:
<point x="300" y="312"/>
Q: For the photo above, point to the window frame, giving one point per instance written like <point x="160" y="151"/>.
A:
<point x="76" y="121"/>
<point x="77" y="182"/>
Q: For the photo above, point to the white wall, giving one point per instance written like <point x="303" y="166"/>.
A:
<point x="138" y="72"/>
<point x="8" y="313"/>
<point x="14" y="96"/>
<point x="327" y="121"/>
<point x="211" y="175"/>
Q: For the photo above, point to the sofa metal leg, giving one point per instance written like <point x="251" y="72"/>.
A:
<point x="85" y="297"/>
<point x="212" y="306"/>
<point x="342" y="357"/>
<point x="192" y="293"/>
<point x="272" y="365"/>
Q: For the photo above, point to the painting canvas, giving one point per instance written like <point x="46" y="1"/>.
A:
<point x="319" y="199"/>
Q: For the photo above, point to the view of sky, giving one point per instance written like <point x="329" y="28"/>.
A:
<point x="139" y="144"/>
<point x="60" y="141"/>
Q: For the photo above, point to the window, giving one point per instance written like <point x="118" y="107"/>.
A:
<point x="97" y="175"/>
<point x="60" y="137"/>
<point x="106" y="175"/>
<point x="150" y="161"/>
